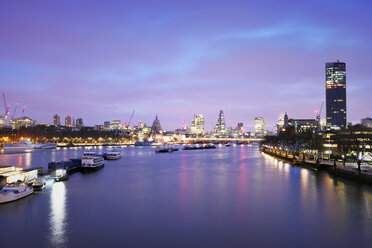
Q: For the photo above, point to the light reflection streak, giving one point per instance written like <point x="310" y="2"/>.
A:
<point x="183" y="186"/>
<point x="19" y="162"/>
<point x="57" y="216"/>
<point x="28" y="159"/>
<point x="304" y="173"/>
<point x="53" y="155"/>
<point x="242" y="187"/>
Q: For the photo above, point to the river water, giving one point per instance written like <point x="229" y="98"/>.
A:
<point x="227" y="197"/>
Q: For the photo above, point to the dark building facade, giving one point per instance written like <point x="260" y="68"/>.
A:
<point x="79" y="123"/>
<point x="336" y="95"/>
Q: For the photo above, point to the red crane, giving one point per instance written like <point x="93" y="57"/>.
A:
<point x="127" y="124"/>
<point x="320" y="112"/>
<point x="23" y="110"/>
<point x="6" y="108"/>
<point x="15" y="109"/>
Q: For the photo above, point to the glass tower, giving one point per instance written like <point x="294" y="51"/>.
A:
<point x="336" y="95"/>
<point x="220" y="126"/>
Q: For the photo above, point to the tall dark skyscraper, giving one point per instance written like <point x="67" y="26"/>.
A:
<point x="336" y="95"/>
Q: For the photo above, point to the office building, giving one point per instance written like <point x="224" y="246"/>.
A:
<point x="367" y="122"/>
<point x="197" y="124"/>
<point x="220" y="126"/>
<point x="336" y="95"/>
<point x="56" y="120"/>
<point x="259" y="126"/>
<point x="303" y="125"/>
<point x="240" y="128"/>
<point x="296" y="126"/>
<point x="2" y="120"/>
<point x="68" y="122"/>
<point x="79" y="123"/>
<point x="22" y="122"/>
<point x="116" y="125"/>
<point x="106" y="124"/>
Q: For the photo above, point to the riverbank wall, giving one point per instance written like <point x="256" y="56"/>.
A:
<point x="335" y="168"/>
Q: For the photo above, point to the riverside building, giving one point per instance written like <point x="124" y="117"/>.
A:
<point x="336" y="95"/>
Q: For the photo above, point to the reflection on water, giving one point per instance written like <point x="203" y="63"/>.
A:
<point x="183" y="194"/>
<point x="28" y="160"/>
<point x="57" y="218"/>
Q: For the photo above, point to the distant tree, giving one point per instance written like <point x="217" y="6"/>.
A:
<point x="344" y="146"/>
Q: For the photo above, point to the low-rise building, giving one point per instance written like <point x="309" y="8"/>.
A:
<point x="22" y="122"/>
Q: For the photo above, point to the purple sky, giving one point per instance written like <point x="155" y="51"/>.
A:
<point x="99" y="61"/>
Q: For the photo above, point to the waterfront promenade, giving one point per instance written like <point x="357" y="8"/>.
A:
<point x="333" y="166"/>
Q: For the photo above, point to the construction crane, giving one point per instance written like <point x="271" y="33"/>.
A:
<point x="184" y="125"/>
<point x="6" y="109"/>
<point x="15" y="109"/>
<point x="318" y="113"/>
<point x="127" y="124"/>
<point x="23" y="110"/>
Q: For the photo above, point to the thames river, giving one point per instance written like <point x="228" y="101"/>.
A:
<point x="227" y="197"/>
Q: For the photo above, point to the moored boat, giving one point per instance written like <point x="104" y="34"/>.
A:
<point x="60" y="175"/>
<point x="189" y="147"/>
<point x="46" y="146"/>
<point x="91" y="161"/>
<point x="163" y="149"/>
<point x="112" y="155"/>
<point x="15" y="191"/>
<point x="198" y="147"/>
<point x="16" y="183"/>
<point x="209" y="146"/>
<point x="24" y="144"/>
<point x="38" y="185"/>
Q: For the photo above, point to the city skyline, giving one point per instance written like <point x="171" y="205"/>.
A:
<point x="246" y="59"/>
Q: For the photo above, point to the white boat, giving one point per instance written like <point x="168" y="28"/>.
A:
<point x="46" y="146"/>
<point x="112" y="155"/>
<point x="14" y="192"/>
<point x="24" y="144"/>
<point x="91" y="160"/>
<point x="16" y="183"/>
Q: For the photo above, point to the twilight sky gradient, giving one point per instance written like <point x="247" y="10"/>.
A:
<point x="99" y="60"/>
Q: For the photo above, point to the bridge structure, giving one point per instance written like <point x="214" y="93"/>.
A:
<point x="222" y="140"/>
